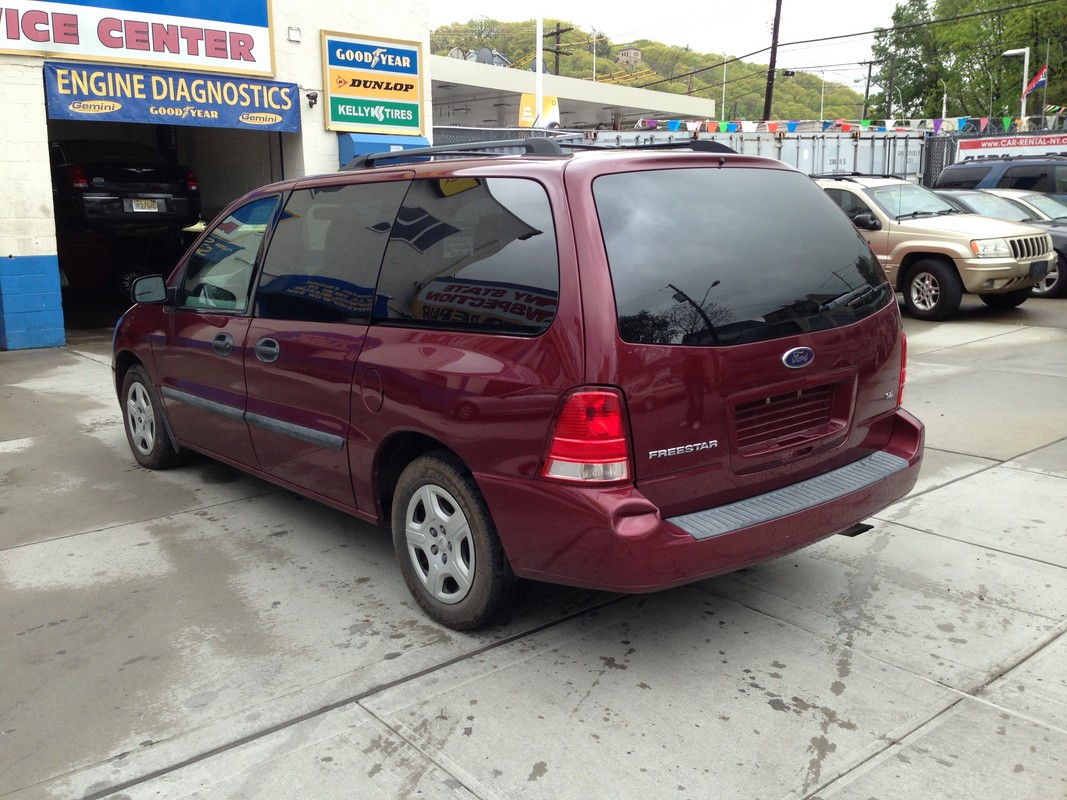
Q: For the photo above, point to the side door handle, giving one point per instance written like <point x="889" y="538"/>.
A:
<point x="268" y="350"/>
<point x="222" y="344"/>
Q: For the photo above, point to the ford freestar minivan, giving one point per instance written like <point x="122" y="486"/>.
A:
<point x="624" y="370"/>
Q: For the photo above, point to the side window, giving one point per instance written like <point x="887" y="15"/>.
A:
<point x="850" y="203"/>
<point x="1060" y="173"/>
<point x="324" y="256"/>
<point x="220" y="272"/>
<point x="1032" y="177"/>
<point x="471" y="254"/>
<point x="962" y="177"/>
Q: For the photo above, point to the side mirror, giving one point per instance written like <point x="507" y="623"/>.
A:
<point x="867" y="222"/>
<point x="149" y="289"/>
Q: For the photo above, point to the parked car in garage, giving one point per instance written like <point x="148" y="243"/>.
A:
<point x="933" y="252"/>
<point x="461" y="349"/>
<point x="102" y="185"/>
<point x="1002" y="203"/>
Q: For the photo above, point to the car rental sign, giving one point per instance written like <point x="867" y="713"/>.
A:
<point x="231" y="36"/>
<point x="372" y="85"/>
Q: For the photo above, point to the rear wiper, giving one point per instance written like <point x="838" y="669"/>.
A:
<point x="848" y="297"/>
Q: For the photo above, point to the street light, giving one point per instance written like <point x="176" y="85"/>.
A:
<point x="990" y="74"/>
<point x="1025" y="53"/>
<point x="944" y="99"/>
<point x="822" y="95"/>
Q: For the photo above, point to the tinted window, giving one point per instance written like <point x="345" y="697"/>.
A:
<point x="325" y="253"/>
<point x="961" y="177"/>
<point x="721" y="256"/>
<point x="1035" y="177"/>
<point x="471" y="253"/>
<point x="220" y="271"/>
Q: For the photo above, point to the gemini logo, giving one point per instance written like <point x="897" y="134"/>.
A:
<point x="94" y="106"/>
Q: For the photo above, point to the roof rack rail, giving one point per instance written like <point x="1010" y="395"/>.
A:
<point x="844" y="176"/>
<point x="534" y="145"/>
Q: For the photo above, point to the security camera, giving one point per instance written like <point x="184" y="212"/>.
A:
<point x="313" y="98"/>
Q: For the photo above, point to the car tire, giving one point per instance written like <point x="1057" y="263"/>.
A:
<point x="123" y="278"/>
<point x="1007" y="300"/>
<point x="447" y="545"/>
<point x="932" y="290"/>
<point x="142" y="417"/>
<point x="1054" y="284"/>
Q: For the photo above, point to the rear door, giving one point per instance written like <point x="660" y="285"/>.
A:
<point x="312" y="309"/>
<point x="757" y="335"/>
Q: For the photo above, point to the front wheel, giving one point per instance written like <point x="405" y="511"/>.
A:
<point x="1006" y="300"/>
<point x="447" y="545"/>
<point x="142" y="417"/>
<point x="1054" y="284"/>
<point x="932" y="290"/>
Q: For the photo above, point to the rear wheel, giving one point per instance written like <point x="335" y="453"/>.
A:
<point x="932" y="290"/>
<point x="1006" y="300"/>
<point x="142" y="417"/>
<point x="447" y="545"/>
<point x="1054" y="284"/>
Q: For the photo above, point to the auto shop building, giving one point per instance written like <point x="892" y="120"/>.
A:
<point x="243" y="92"/>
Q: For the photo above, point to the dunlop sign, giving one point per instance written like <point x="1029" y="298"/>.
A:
<point x="372" y="85"/>
<point x="127" y="94"/>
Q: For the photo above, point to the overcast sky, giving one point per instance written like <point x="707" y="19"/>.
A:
<point x="713" y="26"/>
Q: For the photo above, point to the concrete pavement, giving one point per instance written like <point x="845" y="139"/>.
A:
<point x="200" y="633"/>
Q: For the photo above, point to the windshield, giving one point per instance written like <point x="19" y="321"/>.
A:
<point x="724" y="256"/>
<point x="991" y="205"/>
<point x="1052" y="207"/>
<point x="900" y="200"/>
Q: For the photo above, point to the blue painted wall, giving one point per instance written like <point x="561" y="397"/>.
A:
<point x="31" y="304"/>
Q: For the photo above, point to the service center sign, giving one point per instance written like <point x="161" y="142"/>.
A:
<point x="214" y="35"/>
<point x="372" y="85"/>
<point x="127" y="94"/>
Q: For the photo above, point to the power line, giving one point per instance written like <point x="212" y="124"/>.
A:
<point x="908" y="26"/>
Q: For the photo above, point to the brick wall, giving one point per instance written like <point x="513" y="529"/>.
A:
<point x="31" y="308"/>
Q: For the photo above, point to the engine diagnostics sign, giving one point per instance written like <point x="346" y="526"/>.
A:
<point x="231" y="36"/>
<point x="126" y="94"/>
<point x="372" y="85"/>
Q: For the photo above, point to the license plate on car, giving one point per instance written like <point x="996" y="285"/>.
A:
<point x="139" y="204"/>
<point x="1039" y="269"/>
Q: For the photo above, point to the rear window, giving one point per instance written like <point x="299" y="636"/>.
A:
<point x="961" y="177"/>
<point x="474" y="254"/>
<point x="725" y="256"/>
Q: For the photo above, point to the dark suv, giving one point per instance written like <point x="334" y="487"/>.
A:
<point x="1046" y="174"/>
<point x="625" y="370"/>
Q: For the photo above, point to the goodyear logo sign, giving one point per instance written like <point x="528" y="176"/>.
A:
<point x="372" y="85"/>
<point x="123" y="94"/>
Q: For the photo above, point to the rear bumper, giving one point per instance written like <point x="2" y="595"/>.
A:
<point x="617" y="540"/>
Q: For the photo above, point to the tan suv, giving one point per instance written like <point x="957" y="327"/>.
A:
<point x="933" y="253"/>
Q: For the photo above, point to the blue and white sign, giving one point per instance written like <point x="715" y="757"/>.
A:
<point x="126" y="94"/>
<point x="231" y="36"/>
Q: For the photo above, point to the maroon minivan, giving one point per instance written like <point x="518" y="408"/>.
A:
<point x="617" y="369"/>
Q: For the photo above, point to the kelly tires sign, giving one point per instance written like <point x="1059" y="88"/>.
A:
<point x="372" y="85"/>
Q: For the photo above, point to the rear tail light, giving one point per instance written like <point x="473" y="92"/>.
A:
<point x="903" y="366"/>
<point x="78" y="178"/>
<point x="588" y="442"/>
<point x="191" y="181"/>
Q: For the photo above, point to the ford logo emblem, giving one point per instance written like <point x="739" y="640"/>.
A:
<point x="798" y="357"/>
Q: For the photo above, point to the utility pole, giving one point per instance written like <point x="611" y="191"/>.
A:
<point x="557" y="34"/>
<point x="774" y="58"/>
